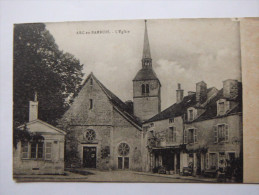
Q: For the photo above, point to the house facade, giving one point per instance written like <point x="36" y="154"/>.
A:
<point x="213" y="139"/>
<point x="43" y="153"/>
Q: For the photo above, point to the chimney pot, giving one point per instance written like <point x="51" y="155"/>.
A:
<point x="201" y="92"/>
<point x="33" y="108"/>
<point x="179" y="94"/>
<point x="230" y="89"/>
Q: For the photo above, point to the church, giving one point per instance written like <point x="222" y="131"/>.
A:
<point x="104" y="132"/>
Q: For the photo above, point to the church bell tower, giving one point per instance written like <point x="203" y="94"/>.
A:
<point x="146" y="86"/>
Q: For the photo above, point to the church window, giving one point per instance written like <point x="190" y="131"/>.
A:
<point x="143" y="89"/>
<point x="91" y="82"/>
<point x="91" y="104"/>
<point x="90" y="135"/>
<point x="123" y="149"/>
<point x="147" y="88"/>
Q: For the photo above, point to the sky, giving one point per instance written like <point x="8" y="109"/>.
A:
<point x="183" y="51"/>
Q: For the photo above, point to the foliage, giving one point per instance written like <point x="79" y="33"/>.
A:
<point x="25" y="136"/>
<point x="105" y="152"/>
<point x="72" y="158"/>
<point x="40" y="66"/>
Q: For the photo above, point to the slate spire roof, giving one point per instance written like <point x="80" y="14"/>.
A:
<point x="147" y="72"/>
<point x="146" y="48"/>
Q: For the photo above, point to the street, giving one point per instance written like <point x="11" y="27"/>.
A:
<point x="110" y="176"/>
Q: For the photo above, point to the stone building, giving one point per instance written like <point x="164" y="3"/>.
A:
<point x="201" y="131"/>
<point x="214" y="136"/>
<point x="39" y="156"/>
<point x="102" y="132"/>
<point x="163" y="133"/>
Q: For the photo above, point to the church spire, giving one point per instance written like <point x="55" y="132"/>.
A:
<point x="146" y="59"/>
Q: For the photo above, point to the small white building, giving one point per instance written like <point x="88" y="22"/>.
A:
<point x="39" y="157"/>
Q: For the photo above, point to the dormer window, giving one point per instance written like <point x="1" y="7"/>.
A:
<point x="190" y="115"/>
<point x="222" y="107"/>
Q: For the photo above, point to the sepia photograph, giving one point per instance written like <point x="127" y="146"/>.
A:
<point x="150" y="101"/>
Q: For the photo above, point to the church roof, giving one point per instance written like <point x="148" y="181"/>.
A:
<point x="117" y="102"/>
<point x="145" y="74"/>
<point x="146" y="48"/>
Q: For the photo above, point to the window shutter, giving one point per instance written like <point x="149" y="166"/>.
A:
<point x="215" y="133"/>
<point x="207" y="160"/>
<point x="174" y="134"/>
<point x="48" y="151"/>
<point x="218" y="108"/>
<point x="185" y="136"/>
<point x="227" y="106"/>
<point x="195" y="135"/>
<point x="25" y="150"/>
<point x="226" y="133"/>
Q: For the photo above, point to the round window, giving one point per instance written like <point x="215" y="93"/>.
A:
<point x="123" y="149"/>
<point x="90" y="135"/>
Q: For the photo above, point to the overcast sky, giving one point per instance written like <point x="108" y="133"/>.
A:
<point x="184" y="51"/>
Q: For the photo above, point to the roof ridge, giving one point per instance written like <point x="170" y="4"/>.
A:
<point x="117" y="102"/>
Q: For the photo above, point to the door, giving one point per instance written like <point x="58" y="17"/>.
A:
<point x="198" y="163"/>
<point x="89" y="157"/>
<point x="213" y="161"/>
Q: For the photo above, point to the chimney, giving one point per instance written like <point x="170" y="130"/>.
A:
<point x="33" y="109"/>
<point x="179" y="94"/>
<point x="201" y="92"/>
<point x="230" y="89"/>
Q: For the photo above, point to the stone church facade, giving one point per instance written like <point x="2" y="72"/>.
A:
<point x="102" y="133"/>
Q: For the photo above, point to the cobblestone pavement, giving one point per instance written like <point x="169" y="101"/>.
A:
<point x="111" y="176"/>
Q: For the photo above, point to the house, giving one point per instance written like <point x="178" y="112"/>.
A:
<point x="43" y="151"/>
<point x="163" y="134"/>
<point x="213" y="137"/>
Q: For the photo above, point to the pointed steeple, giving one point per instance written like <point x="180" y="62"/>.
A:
<point x="146" y="59"/>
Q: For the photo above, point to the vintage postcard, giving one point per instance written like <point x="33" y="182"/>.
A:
<point x="128" y="101"/>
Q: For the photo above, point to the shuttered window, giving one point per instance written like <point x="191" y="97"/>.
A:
<point x="223" y="133"/>
<point x="207" y="160"/>
<point x="48" y="151"/>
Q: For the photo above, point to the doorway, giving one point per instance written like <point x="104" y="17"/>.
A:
<point x="89" y="157"/>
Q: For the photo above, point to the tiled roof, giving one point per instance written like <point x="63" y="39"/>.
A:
<point x="118" y="103"/>
<point x="145" y="74"/>
<point x="175" y="110"/>
<point x="211" y="108"/>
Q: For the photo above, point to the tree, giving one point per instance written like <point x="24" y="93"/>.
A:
<point x="39" y="66"/>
